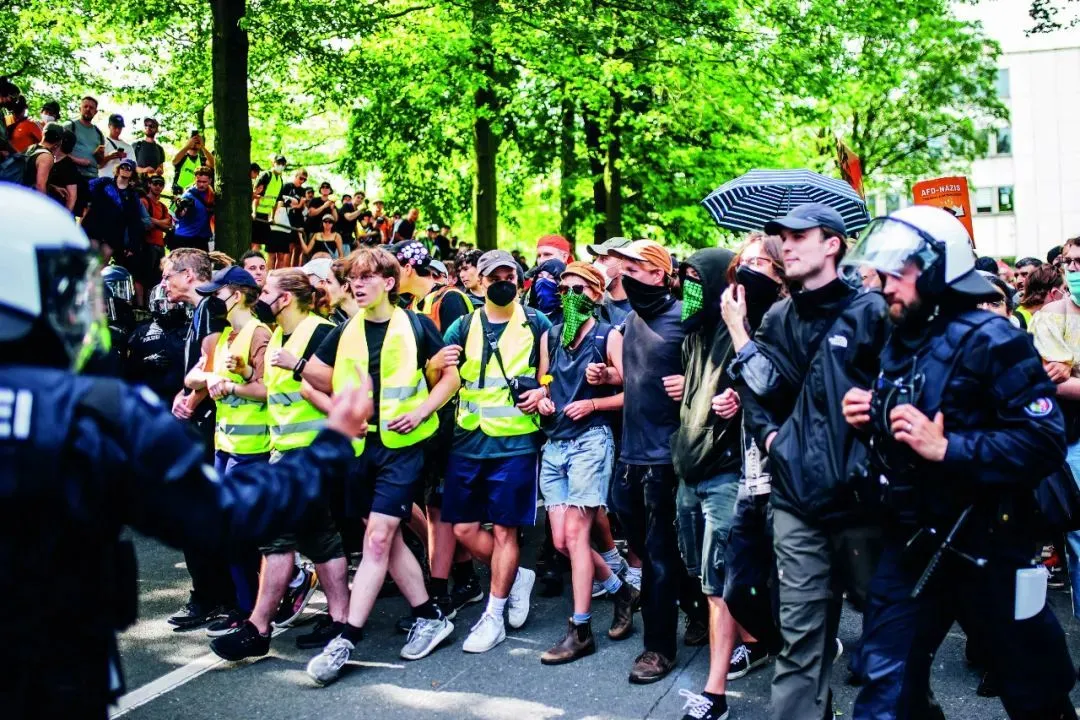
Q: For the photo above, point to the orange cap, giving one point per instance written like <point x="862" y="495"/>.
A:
<point x="646" y="251"/>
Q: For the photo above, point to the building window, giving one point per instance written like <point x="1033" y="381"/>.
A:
<point x="1003" y="141"/>
<point x="984" y="200"/>
<point x="1001" y="85"/>
<point x="1005" y="198"/>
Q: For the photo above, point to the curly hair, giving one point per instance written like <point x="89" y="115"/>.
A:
<point x="1040" y="283"/>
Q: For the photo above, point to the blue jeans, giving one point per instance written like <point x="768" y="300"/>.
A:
<point x="245" y="566"/>
<point x="705" y="514"/>
<point x="1072" y="539"/>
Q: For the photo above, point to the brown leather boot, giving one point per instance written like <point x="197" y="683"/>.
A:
<point x="626" y="601"/>
<point x="650" y="667"/>
<point x="578" y="643"/>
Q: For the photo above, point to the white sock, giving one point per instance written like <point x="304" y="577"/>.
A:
<point x="613" y="559"/>
<point x="496" y="606"/>
<point x="633" y="572"/>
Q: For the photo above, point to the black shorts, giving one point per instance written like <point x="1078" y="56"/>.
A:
<point x="260" y="229"/>
<point x="384" y="480"/>
<point x="279" y="242"/>
<point x="317" y="538"/>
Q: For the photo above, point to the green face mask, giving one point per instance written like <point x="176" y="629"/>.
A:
<point x="577" y="309"/>
<point x="1072" y="277"/>
<point x="693" y="297"/>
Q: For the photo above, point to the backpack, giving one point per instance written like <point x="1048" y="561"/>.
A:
<point x="21" y="168"/>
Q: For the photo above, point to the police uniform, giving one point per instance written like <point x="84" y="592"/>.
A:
<point x="962" y="537"/>
<point x="80" y="458"/>
<point x="155" y="357"/>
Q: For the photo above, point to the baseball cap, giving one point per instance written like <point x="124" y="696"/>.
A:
<point x="646" y="251"/>
<point x="280" y="160"/>
<point x="157" y="180"/>
<point x="437" y="266"/>
<point x="127" y="163"/>
<point x="232" y="275"/>
<point x="806" y="216"/>
<point x="116" y="120"/>
<point x="604" y="248"/>
<point x="150" y="121"/>
<point x="433" y="228"/>
<point x="320" y="268"/>
<point x="492" y="260"/>
<point x="586" y="272"/>
<point x="555" y="241"/>
<point x="411" y="252"/>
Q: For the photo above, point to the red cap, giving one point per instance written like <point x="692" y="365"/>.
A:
<point x="556" y="241"/>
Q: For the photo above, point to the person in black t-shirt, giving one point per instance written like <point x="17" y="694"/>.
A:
<point x="390" y="466"/>
<point x="212" y="585"/>
<point x="406" y="227"/>
<point x="348" y="216"/>
<point x="292" y="198"/>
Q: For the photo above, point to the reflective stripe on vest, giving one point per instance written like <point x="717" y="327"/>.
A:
<point x="270" y="195"/>
<point x="402" y="386"/>
<point x="294" y="422"/>
<point x="241" y="422"/>
<point x="485" y="402"/>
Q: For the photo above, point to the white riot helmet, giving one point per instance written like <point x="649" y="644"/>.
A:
<point x="933" y="240"/>
<point x="53" y="286"/>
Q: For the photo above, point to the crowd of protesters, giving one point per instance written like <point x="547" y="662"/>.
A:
<point x="677" y="421"/>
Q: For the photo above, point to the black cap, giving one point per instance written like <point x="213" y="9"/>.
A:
<point x="255" y="167"/>
<point x="326" y="186"/>
<point x="280" y="160"/>
<point x="116" y="120"/>
<point x="232" y="275"/>
<point x="150" y="120"/>
<point x="804" y="217"/>
<point x="52" y="107"/>
<point x="553" y="266"/>
<point x="157" y="180"/>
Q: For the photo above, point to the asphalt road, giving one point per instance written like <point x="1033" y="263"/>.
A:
<point x="172" y="675"/>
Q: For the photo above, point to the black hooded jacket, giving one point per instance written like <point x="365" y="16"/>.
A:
<point x="706" y="445"/>
<point x="821" y="343"/>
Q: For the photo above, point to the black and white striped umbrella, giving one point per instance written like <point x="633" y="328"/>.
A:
<point x="748" y="202"/>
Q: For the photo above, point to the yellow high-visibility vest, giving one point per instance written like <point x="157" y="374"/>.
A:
<point x="242" y="424"/>
<point x="294" y="422"/>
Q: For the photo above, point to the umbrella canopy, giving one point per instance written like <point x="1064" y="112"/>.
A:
<point x="748" y="202"/>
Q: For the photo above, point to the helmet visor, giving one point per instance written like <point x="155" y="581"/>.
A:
<point x="889" y="246"/>
<point x="74" y="304"/>
<point x="121" y="288"/>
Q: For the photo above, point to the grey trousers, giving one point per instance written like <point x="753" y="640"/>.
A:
<point x="815" y="566"/>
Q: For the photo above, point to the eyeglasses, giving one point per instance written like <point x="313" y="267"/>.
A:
<point x="757" y="261"/>
<point x="363" y="278"/>
<point x="576" y="289"/>
<point x="1071" y="263"/>
<point x="1000" y="302"/>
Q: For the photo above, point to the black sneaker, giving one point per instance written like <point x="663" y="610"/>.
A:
<point x="465" y="594"/>
<point x="229" y="623"/>
<point x="323" y="632"/>
<point x="696" y="632"/>
<point x="703" y="707"/>
<point x="195" y="614"/>
<point x="747" y="657"/>
<point x="296" y="599"/>
<point x="246" y="642"/>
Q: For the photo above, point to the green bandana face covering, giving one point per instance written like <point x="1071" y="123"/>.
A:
<point x="693" y="297"/>
<point x="1072" y="277"/>
<point x="577" y="309"/>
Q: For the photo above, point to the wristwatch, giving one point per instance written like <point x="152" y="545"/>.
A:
<point x="298" y="371"/>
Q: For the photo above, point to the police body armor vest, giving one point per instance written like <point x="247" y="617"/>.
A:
<point x="294" y="422"/>
<point x="402" y="387"/>
<point x="242" y="424"/>
<point x="485" y="401"/>
<point x="920" y="379"/>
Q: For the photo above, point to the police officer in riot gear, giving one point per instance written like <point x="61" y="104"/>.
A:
<point x="119" y="294"/>
<point x="81" y="457"/>
<point x="155" y="351"/>
<point x="962" y="423"/>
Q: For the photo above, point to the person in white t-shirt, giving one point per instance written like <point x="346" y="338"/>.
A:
<point x="115" y="148"/>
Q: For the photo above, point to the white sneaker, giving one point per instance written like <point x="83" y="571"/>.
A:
<point x="598" y="590"/>
<point x="425" y="636"/>
<point x="517" y="605"/>
<point x="488" y="632"/>
<point x="325" y="667"/>
<point x="839" y="650"/>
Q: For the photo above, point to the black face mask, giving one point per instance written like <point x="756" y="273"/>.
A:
<point x="647" y="300"/>
<point x="264" y="312"/>
<point x="216" y="307"/>
<point x="761" y="292"/>
<point x="502" y="293"/>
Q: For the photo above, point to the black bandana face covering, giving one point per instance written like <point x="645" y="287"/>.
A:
<point x="761" y="292"/>
<point x="647" y="300"/>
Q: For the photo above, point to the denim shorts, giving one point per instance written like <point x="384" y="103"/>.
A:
<point x="578" y="472"/>
<point x="712" y="500"/>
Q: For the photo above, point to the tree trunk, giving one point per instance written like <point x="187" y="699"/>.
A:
<point x="593" y="135"/>
<point x="485" y="142"/>
<point x="567" y="170"/>
<point x="613" y="175"/>
<point x="232" y="140"/>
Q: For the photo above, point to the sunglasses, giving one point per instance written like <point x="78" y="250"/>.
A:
<point x="576" y="289"/>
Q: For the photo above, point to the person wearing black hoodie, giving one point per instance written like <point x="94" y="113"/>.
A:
<point x="812" y="348"/>
<point x="706" y="455"/>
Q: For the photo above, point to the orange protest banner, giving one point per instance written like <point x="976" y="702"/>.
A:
<point x="950" y="193"/>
